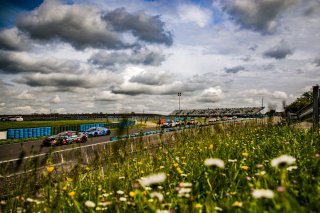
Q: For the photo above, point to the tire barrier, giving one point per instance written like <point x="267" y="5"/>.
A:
<point x="28" y="132"/>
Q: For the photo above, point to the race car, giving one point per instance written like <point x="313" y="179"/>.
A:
<point x="97" y="131"/>
<point x="66" y="137"/>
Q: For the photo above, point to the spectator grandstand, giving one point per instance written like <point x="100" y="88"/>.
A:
<point x="219" y="112"/>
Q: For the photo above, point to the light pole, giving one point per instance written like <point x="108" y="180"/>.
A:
<point x="179" y="95"/>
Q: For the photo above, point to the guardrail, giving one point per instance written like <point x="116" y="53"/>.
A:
<point x="311" y="112"/>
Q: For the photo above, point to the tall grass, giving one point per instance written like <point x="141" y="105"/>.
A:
<point x="114" y="182"/>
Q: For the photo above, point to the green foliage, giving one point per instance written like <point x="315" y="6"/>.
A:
<point x="304" y="100"/>
<point x="112" y="182"/>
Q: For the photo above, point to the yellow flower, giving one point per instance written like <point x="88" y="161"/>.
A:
<point x="245" y="168"/>
<point x="50" y="169"/>
<point x="176" y="165"/>
<point x="198" y="206"/>
<point x="87" y="169"/>
<point x="141" y="171"/>
<point x="72" y="194"/>
<point x="245" y="154"/>
<point x="233" y="193"/>
<point x="69" y="179"/>
<point x="65" y="188"/>
<point x="237" y="204"/>
<point x="179" y="170"/>
<point x="132" y="194"/>
<point x="211" y="146"/>
<point x="161" y="167"/>
<point x="140" y="163"/>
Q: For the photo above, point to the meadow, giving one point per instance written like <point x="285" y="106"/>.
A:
<point x="221" y="168"/>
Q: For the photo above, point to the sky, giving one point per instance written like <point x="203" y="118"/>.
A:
<point x="111" y="56"/>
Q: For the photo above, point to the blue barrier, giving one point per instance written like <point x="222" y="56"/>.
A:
<point x="28" y="132"/>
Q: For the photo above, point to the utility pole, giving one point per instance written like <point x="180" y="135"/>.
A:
<point x="179" y="95"/>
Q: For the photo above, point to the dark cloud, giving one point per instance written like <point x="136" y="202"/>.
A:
<point x="317" y="62"/>
<point x="87" y="26"/>
<point x="152" y="78"/>
<point x="21" y="62"/>
<point x="257" y="15"/>
<point x="280" y="51"/>
<point x="12" y="39"/>
<point x="145" y="27"/>
<point x="60" y="82"/>
<point x="105" y="59"/>
<point x="234" y="69"/>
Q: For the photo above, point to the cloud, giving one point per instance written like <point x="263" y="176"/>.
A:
<point x="107" y="96"/>
<point x="189" y="13"/>
<point x="145" y="27"/>
<point x="234" y="69"/>
<point x="12" y="39"/>
<point x="55" y="100"/>
<point x="316" y="61"/>
<point x="212" y="95"/>
<point x="280" y="51"/>
<point x="114" y="59"/>
<point x="25" y="95"/>
<point x="258" y="15"/>
<point x="264" y="92"/>
<point x="22" y="62"/>
<point x="152" y="78"/>
<point x="60" y="81"/>
<point x="2" y="104"/>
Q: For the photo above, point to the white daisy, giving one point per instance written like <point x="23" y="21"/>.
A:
<point x="153" y="179"/>
<point x="283" y="161"/>
<point x="89" y="204"/>
<point x="214" y="162"/>
<point x="262" y="193"/>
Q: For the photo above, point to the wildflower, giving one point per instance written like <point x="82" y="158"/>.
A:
<point x="232" y="160"/>
<point x="249" y="178"/>
<point x="176" y="164"/>
<point x="184" y="175"/>
<point x="212" y="162"/>
<point x="259" y="166"/>
<point x="123" y="199"/>
<point x="29" y="200"/>
<point x="153" y="179"/>
<point x="120" y="178"/>
<point x="140" y="163"/>
<point x="218" y="208"/>
<point x="283" y="161"/>
<point x="182" y="184"/>
<point x="233" y="193"/>
<point x="245" y="168"/>
<point x="237" y="204"/>
<point x="132" y="194"/>
<point x="69" y="179"/>
<point x="87" y="169"/>
<point x="245" y="154"/>
<point x="89" y="204"/>
<point x="161" y="167"/>
<point x="157" y="195"/>
<point x="198" y="206"/>
<point x="281" y="189"/>
<point x="290" y="168"/>
<point x="211" y="146"/>
<point x="3" y="202"/>
<point x="50" y="169"/>
<point x="72" y="194"/>
<point x="179" y="170"/>
<point x="262" y="193"/>
<point x="120" y="192"/>
<point x="162" y="211"/>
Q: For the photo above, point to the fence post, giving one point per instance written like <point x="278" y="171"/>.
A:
<point x="316" y="106"/>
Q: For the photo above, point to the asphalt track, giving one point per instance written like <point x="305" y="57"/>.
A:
<point x="25" y="149"/>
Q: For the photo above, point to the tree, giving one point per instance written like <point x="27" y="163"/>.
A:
<point x="301" y="102"/>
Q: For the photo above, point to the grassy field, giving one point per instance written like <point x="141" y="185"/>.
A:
<point x="30" y="124"/>
<point x="224" y="168"/>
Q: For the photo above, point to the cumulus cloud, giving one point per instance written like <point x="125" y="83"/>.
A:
<point x="212" y="95"/>
<point x="110" y="60"/>
<point x="152" y="78"/>
<point x="25" y="95"/>
<point x="22" y="62"/>
<point x="87" y="26"/>
<point x="145" y="27"/>
<point x="234" y="69"/>
<point x="257" y="15"/>
<point x="264" y="92"/>
<point x="189" y="13"/>
<point x="12" y="39"/>
<point x="55" y="100"/>
<point x="107" y="96"/>
<point x="281" y="51"/>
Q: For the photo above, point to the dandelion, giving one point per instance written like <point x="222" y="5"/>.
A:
<point x="263" y="193"/>
<point x="214" y="162"/>
<point x="132" y="194"/>
<point x="72" y="194"/>
<point x="237" y="204"/>
<point x="245" y="154"/>
<point x="283" y="161"/>
<point x="50" y="169"/>
<point x="245" y="168"/>
<point x="198" y="206"/>
<point x="89" y="204"/>
<point x="153" y="179"/>
<point x="157" y="195"/>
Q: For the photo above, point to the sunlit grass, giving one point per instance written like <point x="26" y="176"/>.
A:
<point x="226" y="168"/>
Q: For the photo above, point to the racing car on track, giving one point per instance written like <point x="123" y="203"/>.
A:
<point x="66" y="137"/>
<point x="97" y="131"/>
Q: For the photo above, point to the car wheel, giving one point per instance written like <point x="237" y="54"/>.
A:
<point x="95" y="134"/>
<point x="83" y="139"/>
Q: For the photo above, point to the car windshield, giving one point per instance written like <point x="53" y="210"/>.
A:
<point x="66" y="133"/>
